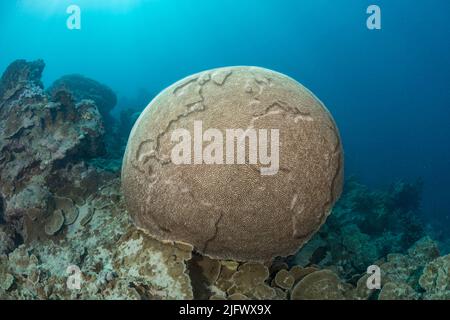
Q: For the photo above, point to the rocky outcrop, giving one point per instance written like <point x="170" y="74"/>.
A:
<point x="39" y="136"/>
<point x="83" y="88"/>
<point x="18" y="75"/>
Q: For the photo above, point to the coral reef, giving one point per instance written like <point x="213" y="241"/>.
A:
<point x="116" y="260"/>
<point x="435" y="279"/>
<point x="39" y="137"/>
<point x="83" y="88"/>
<point x="18" y="75"/>
<point x="7" y="242"/>
<point x="364" y="227"/>
<point x="323" y="284"/>
<point x="62" y="214"/>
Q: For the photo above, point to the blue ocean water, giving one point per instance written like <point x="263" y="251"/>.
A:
<point x="388" y="89"/>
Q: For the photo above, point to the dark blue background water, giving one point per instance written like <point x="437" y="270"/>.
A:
<point x="389" y="90"/>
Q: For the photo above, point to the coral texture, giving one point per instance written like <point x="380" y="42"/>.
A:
<point x="39" y="137"/>
<point x="436" y="279"/>
<point x="233" y="211"/>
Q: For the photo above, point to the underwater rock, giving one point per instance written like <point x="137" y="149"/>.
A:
<point x="18" y="75"/>
<point x="83" y="88"/>
<point x="224" y="282"/>
<point x="298" y="272"/>
<point x="116" y="260"/>
<point x="235" y="211"/>
<point x="248" y="277"/>
<point x="118" y="132"/>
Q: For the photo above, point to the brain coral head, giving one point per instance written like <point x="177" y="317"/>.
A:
<point x="233" y="210"/>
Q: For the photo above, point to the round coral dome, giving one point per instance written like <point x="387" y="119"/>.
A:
<point x="243" y="163"/>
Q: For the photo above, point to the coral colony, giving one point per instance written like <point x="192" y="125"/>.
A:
<point x="65" y="232"/>
<point x="235" y="146"/>
<point x="244" y="210"/>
